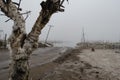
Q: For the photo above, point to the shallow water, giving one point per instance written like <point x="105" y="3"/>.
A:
<point x="65" y="44"/>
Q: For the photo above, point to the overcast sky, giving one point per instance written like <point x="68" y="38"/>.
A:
<point x="100" y="19"/>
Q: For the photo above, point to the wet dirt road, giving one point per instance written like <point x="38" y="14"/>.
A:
<point x="39" y="56"/>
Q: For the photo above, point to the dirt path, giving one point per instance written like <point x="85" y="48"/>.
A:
<point x="39" y="57"/>
<point x="98" y="65"/>
<point x="105" y="59"/>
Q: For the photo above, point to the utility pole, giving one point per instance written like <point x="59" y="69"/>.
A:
<point x="83" y="36"/>
<point x="48" y="33"/>
<point x="83" y="41"/>
<point x="1" y="34"/>
<point x="5" y="42"/>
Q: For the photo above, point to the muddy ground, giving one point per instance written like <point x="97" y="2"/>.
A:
<point x="85" y="65"/>
<point x="40" y="56"/>
<point x="73" y="64"/>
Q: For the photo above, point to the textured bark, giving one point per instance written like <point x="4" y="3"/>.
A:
<point x="19" y="68"/>
<point x="21" y="45"/>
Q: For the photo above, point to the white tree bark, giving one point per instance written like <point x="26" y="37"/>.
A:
<point x="21" y="45"/>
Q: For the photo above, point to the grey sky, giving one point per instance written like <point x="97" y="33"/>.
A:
<point x="100" y="19"/>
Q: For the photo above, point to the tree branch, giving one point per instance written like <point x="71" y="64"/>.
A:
<point x="6" y="1"/>
<point x="26" y="12"/>
<point x="18" y="4"/>
<point x="49" y="7"/>
<point x="27" y="16"/>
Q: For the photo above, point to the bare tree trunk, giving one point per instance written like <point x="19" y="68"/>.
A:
<point x="19" y="70"/>
<point x="21" y="45"/>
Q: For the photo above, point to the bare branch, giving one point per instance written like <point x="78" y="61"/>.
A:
<point x="62" y="2"/>
<point x="8" y="20"/>
<point x="18" y="4"/>
<point x="6" y="1"/>
<point x="26" y="12"/>
<point x="21" y="13"/>
<point x="27" y="16"/>
<point x="15" y="3"/>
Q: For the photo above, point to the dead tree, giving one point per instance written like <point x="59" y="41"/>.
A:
<point x="21" y="44"/>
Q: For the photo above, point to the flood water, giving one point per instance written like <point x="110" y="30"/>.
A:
<point x="64" y="44"/>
